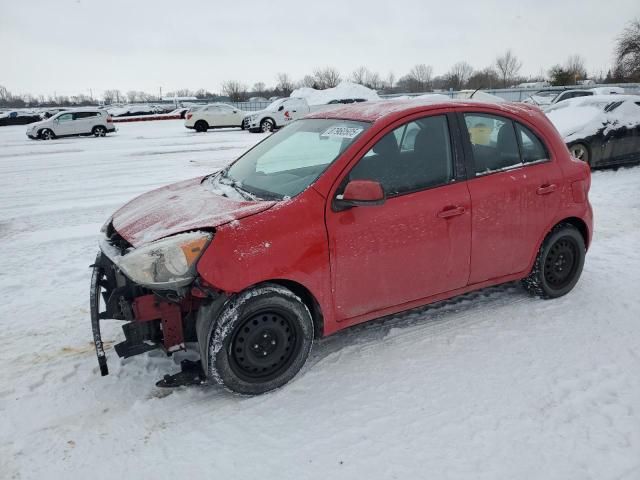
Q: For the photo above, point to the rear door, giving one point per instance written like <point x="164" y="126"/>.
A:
<point x="514" y="189"/>
<point x="83" y="122"/>
<point x="417" y="243"/>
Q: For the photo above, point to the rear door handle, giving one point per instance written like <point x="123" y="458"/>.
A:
<point x="451" y="212"/>
<point x="546" y="189"/>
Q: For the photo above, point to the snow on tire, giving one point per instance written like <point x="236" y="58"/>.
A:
<point x="558" y="264"/>
<point x="260" y="341"/>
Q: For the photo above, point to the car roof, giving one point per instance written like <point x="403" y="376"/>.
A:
<point x="391" y="109"/>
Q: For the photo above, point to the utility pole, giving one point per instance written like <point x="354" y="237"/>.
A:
<point x="160" y="98"/>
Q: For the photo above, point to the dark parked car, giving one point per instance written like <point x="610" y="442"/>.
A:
<point x="601" y="130"/>
<point x="18" y="117"/>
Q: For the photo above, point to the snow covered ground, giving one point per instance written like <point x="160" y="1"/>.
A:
<point x="497" y="385"/>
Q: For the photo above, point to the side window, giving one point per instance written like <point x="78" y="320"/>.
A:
<point x="493" y="141"/>
<point x="533" y="149"/>
<point x="81" y="115"/>
<point x="412" y="157"/>
<point x="67" y="117"/>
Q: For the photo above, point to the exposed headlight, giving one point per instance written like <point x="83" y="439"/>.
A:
<point x="167" y="263"/>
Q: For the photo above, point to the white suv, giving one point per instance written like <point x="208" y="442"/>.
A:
<point x="73" y="122"/>
<point x="215" y="115"/>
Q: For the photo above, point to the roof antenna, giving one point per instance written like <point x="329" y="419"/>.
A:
<point x="474" y="92"/>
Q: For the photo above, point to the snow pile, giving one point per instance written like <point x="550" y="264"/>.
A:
<point x="582" y="117"/>
<point x="343" y="91"/>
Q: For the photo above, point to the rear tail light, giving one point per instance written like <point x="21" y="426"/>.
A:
<point x="189" y="115"/>
<point x="109" y="119"/>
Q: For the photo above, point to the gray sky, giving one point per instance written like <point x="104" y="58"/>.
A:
<point x="69" y="46"/>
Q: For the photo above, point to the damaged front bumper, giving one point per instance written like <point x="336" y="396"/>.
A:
<point x="152" y="319"/>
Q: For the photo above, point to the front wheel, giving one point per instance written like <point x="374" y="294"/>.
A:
<point x="581" y="152"/>
<point x="267" y="125"/>
<point x="260" y="341"/>
<point x="47" y="134"/>
<point x="559" y="263"/>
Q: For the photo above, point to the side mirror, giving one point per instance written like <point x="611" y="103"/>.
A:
<point x="281" y="108"/>
<point x="360" y="193"/>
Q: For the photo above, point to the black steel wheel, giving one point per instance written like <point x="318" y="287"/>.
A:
<point x="558" y="264"/>
<point x="264" y="345"/>
<point x="258" y="342"/>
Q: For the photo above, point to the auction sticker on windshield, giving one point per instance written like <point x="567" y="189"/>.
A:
<point x="342" y="131"/>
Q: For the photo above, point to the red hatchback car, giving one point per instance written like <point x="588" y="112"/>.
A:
<point x="341" y="217"/>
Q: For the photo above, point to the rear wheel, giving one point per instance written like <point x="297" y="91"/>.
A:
<point x="99" y="131"/>
<point x="201" y="126"/>
<point x="47" y="134"/>
<point x="559" y="263"/>
<point x="581" y="152"/>
<point x="260" y="341"/>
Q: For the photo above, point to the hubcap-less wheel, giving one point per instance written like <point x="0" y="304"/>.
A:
<point x="99" y="131"/>
<point x="267" y="125"/>
<point x="46" y="135"/>
<point x="263" y="346"/>
<point x="560" y="264"/>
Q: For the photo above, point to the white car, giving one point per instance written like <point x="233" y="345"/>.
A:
<point x="215" y="115"/>
<point x="546" y="98"/>
<point x="277" y="114"/>
<point x="86" y="121"/>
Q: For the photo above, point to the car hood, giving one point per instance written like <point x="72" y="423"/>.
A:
<point x="177" y="208"/>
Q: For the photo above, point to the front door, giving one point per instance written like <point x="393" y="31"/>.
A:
<point x="417" y="243"/>
<point x="64" y="125"/>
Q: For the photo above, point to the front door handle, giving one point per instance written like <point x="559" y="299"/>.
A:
<point x="451" y="212"/>
<point x="546" y="189"/>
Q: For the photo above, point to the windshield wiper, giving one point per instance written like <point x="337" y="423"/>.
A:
<point x="225" y="179"/>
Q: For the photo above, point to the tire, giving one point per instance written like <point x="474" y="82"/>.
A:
<point x="47" y="134"/>
<point x="267" y="125"/>
<point x="559" y="263"/>
<point x="260" y="341"/>
<point x="581" y="152"/>
<point x="99" y="131"/>
<point x="201" y="126"/>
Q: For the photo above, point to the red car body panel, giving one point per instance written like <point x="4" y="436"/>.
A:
<point x="177" y="208"/>
<point x="366" y="262"/>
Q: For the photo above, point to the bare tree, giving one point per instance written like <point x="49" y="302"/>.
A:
<point x="628" y="51"/>
<point x="422" y="74"/>
<point x="391" y="80"/>
<point x="235" y="90"/>
<point x="458" y="75"/>
<point x="327" y="77"/>
<point x="259" y="87"/>
<point x="4" y="94"/>
<point x="575" y="67"/>
<point x="508" y="66"/>
<point x="360" y="75"/>
<point x="132" y="96"/>
<point x="308" y="81"/>
<point x="284" y="85"/>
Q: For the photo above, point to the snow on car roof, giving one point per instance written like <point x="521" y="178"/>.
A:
<point x="374" y="111"/>
<point x="579" y="118"/>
